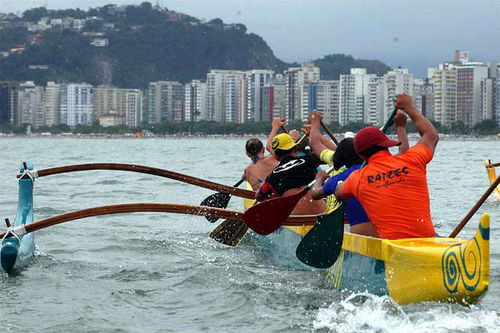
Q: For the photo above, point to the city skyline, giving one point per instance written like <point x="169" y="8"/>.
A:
<point x="417" y="35"/>
<point x="457" y="92"/>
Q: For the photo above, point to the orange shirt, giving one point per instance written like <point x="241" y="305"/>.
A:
<point x="393" y="191"/>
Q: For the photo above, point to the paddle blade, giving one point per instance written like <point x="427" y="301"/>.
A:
<point x="217" y="200"/>
<point x="321" y="246"/>
<point x="267" y="216"/>
<point x="229" y="232"/>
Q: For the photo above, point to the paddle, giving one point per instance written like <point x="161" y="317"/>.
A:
<point x="145" y="207"/>
<point x="229" y="232"/>
<point x="142" y="169"/>
<point x="267" y="216"/>
<point x="321" y="246"/>
<point x="329" y="132"/>
<point x="475" y="208"/>
<point x="218" y="200"/>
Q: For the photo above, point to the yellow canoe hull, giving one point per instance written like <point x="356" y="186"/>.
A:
<point x="408" y="270"/>
<point x="492" y="175"/>
<point x="425" y="269"/>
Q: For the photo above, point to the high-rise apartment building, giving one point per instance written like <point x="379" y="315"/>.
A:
<point x="165" y="101"/>
<point x="445" y="94"/>
<point x="256" y="79"/>
<point x="76" y="104"/>
<point x="30" y="104"/>
<point x="226" y="98"/>
<point x="123" y="106"/>
<point x="274" y="100"/>
<point x="469" y="79"/>
<point x="328" y="100"/>
<point x="308" y="98"/>
<point x="134" y="111"/>
<point x="195" y="101"/>
<point x="396" y="81"/>
<point x="52" y="103"/>
<point x="8" y="104"/>
<point x="423" y="97"/>
<point x="354" y="95"/>
<point x="376" y="104"/>
<point x="295" y="78"/>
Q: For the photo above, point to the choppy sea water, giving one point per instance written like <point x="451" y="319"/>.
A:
<point x="155" y="272"/>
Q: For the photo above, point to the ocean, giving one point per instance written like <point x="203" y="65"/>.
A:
<point x="156" y="272"/>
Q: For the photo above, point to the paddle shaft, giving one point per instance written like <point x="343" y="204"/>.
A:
<point x="151" y="171"/>
<point x="148" y="207"/>
<point x="475" y="208"/>
<point x="494" y="165"/>
<point x="329" y="132"/>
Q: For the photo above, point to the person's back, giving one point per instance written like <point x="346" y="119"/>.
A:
<point x="261" y="166"/>
<point x="393" y="189"/>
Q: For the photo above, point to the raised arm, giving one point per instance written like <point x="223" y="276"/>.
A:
<point x="429" y="136"/>
<point x="400" y="121"/>
<point x="317" y="142"/>
<point x="277" y="123"/>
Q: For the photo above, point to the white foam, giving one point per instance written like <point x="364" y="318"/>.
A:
<point x="363" y="312"/>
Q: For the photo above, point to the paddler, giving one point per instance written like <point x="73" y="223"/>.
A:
<point x="291" y="174"/>
<point x="393" y="189"/>
<point x="262" y="165"/>
<point x="345" y="160"/>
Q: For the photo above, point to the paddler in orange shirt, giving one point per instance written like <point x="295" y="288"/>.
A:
<point x="393" y="189"/>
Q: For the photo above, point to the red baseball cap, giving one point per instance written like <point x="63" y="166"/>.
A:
<point x="371" y="136"/>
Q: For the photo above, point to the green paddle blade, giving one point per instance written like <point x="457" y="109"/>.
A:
<point x="321" y="246"/>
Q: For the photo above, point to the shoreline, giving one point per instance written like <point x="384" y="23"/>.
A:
<point x="411" y="136"/>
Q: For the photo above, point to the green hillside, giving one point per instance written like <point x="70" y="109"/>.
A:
<point x="144" y="44"/>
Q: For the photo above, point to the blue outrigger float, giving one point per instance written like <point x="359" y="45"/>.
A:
<point x="17" y="251"/>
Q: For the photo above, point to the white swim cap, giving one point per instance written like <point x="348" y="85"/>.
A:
<point x="349" y="135"/>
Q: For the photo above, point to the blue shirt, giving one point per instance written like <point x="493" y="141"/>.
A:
<point x="353" y="210"/>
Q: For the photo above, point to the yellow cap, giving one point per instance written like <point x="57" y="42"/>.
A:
<point x="283" y="141"/>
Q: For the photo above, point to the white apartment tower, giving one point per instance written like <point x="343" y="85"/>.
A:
<point x="195" y="101"/>
<point x="470" y="76"/>
<point x="423" y="97"/>
<point x="256" y="79"/>
<point x="295" y="78"/>
<point x="354" y="95"/>
<point x="396" y="81"/>
<point x="77" y="104"/>
<point x="52" y="99"/>
<point x="30" y="104"/>
<point x="274" y="101"/>
<point x="328" y="100"/>
<point x="375" y="107"/>
<point x="134" y="107"/>
<point x="164" y="101"/>
<point x="226" y="95"/>
<point x="445" y="94"/>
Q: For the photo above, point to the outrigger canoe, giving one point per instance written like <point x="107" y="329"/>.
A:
<point x="492" y="175"/>
<point x="408" y="270"/>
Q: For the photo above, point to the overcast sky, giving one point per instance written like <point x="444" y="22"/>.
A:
<point x="413" y="34"/>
